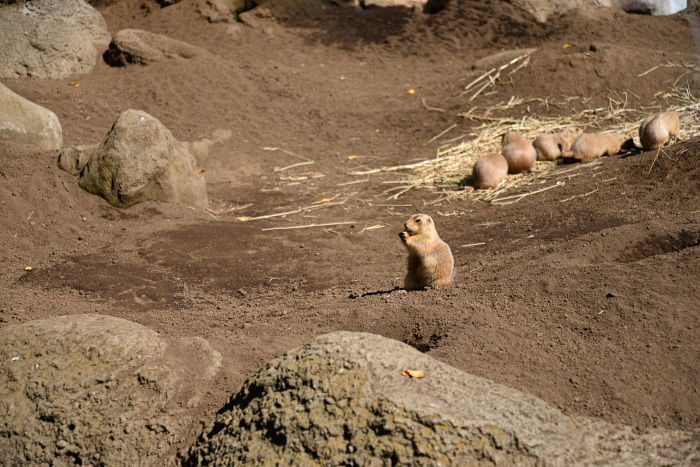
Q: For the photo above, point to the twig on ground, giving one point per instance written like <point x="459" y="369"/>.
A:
<point x="439" y="135"/>
<point x="294" y="165"/>
<point x="654" y="161"/>
<point x="353" y="182"/>
<point x="578" y="196"/>
<point x="307" y="226"/>
<point x="287" y="152"/>
<point x="516" y="198"/>
<point x="434" y="109"/>
<point x="373" y="227"/>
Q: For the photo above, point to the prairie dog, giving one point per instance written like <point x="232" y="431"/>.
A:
<point x="430" y="260"/>
<point x="552" y="146"/>
<point x="489" y="171"/>
<point x="658" y="129"/>
<point x="519" y="153"/>
<point x="588" y="146"/>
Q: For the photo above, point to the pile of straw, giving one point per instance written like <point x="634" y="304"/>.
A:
<point x="448" y="173"/>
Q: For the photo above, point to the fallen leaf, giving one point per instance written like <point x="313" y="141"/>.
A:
<point x="325" y="200"/>
<point x="243" y="218"/>
<point x="201" y="170"/>
<point x="567" y="46"/>
<point x="27" y="268"/>
<point x="352" y="157"/>
<point x="413" y="373"/>
<point x="75" y="85"/>
<point x="411" y="91"/>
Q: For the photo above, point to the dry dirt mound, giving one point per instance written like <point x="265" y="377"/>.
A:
<point x="584" y="295"/>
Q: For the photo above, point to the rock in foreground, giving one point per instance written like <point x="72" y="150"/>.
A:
<point x="94" y="390"/>
<point x="342" y="400"/>
<point x="139" y="161"/>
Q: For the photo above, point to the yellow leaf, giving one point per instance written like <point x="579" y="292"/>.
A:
<point x="243" y="218"/>
<point x="411" y="91"/>
<point x="75" y="85"/>
<point x="567" y="46"/>
<point x="201" y="170"/>
<point x="413" y="373"/>
<point x="325" y="200"/>
<point x="27" y="268"/>
<point x="352" y="157"/>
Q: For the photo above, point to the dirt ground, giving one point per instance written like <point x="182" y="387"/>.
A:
<point x="586" y="295"/>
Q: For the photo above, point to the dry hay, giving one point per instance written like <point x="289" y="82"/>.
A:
<point x="447" y="174"/>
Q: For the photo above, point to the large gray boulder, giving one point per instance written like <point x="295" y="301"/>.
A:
<point x="50" y="38"/>
<point x="653" y="7"/>
<point x="134" y="46"/>
<point x="542" y="10"/>
<point x="139" y="161"/>
<point x="95" y="390"/>
<point x="343" y="400"/>
<point x="24" y="121"/>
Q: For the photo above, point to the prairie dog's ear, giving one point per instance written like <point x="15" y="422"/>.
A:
<point x="428" y="220"/>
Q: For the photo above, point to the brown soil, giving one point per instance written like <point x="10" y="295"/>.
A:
<point x="589" y="302"/>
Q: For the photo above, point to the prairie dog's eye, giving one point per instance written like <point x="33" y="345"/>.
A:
<point x="418" y="220"/>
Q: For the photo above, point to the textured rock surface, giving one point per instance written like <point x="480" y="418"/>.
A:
<point x="139" y="161"/>
<point x="50" y="38"/>
<point x="94" y="390"/>
<point x="223" y="11"/>
<point x="142" y="47"/>
<point x="543" y="9"/>
<point x="393" y="3"/>
<point x="27" y="122"/>
<point x="342" y="399"/>
<point x="653" y="7"/>
<point x="74" y="158"/>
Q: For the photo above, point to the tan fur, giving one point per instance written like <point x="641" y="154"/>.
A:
<point x="519" y="153"/>
<point x="489" y="171"/>
<point x="430" y="260"/>
<point x="588" y="146"/>
<point x="552" y="146"/>
<point x="658" y="129"/>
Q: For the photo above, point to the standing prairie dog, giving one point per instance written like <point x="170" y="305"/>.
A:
<point x="657" y="130"/>
<point x="489" y="171"/>
<point x="588" y="146"/>
<point x="519" y="153"/>
<point x="430" y="260"/>
<point x="552" y="146"/>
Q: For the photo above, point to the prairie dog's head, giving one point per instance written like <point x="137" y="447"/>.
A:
<point x="571" y="133"/>
<point x="625" y="142"/>
<point x="419" y="223"/>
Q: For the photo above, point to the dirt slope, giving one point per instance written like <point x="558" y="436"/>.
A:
<point x="585" y="295"/>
